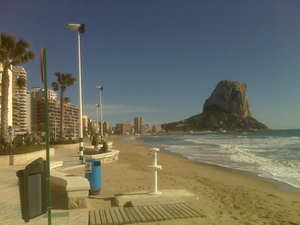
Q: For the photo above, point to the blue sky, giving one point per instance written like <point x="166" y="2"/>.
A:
<point x="161" y="59"/>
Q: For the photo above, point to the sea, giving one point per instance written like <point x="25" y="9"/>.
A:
<point x="271" y="154"/>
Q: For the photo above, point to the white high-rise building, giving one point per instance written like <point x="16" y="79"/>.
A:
<point x="21" y="121"/>
<point x="138" y="123"/>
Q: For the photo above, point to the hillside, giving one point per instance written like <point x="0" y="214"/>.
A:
<point x="227" y="109"/>
<point x="215" y="121"/>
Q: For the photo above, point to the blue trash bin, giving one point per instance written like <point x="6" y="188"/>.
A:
<point x="93" y="173"/>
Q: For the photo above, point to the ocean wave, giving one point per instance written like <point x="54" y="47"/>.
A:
<point x="276" y="156"/>
<point x="131" y="138"/>
<point x="281" y="169"/>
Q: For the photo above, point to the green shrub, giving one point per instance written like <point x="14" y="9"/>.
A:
<point x="15" y="150"/>
<point x="22" y="149"/>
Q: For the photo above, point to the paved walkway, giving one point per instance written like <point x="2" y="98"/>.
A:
<point x="10" y="212"/>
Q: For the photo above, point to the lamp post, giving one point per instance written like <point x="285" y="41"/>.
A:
<point x="55" y="122"/>
<point x="97" y="105"/>
<point x="74" y="129"/>
<point x="80" y="30"/>
<point x="100" y="103"/>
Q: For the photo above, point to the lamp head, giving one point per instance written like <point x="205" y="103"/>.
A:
<point x="99" y="87"/>
<point x="97" y="105"/>
<point x="77" y="27"/>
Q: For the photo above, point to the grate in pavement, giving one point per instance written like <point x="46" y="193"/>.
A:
<point x="141" y="214"/>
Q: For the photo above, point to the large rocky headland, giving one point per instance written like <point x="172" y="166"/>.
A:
<point x="227" y="109"/>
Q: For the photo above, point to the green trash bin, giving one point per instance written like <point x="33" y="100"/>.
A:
<point x="32" y="188"/>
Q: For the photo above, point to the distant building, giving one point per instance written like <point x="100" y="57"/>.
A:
<point x="35" y="95"/>
<point x="105" y="125"/>
<point x="89" y="126"/>
<point x="118" y="129"/>
<point x="27" y="108"/>
<point x="21" y="122"/>
<point x="145" y="129"/>
<point x="85" y="125"/>
<point x="124" y="128"/>
<point x="156" y="129"/>
<point x="138" y="123"/>
<point x="71" y="117"/>
<point x="112" y="130"/>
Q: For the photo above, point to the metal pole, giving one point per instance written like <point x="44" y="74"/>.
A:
<point x="47" y="136"/>
<point x="73" y="114"/>
<point x="101" y="121"/>
<point x="97" y="119"/>
<point x="55" y="122"/>
<point x="97" y="127"/>
<point x="80" y="103"/>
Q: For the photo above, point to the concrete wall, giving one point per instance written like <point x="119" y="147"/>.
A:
<point x="6" y="160"/>
<point x="67" y="146"/>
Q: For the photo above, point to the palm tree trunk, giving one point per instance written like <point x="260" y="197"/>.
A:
<point x="4" y="105"/>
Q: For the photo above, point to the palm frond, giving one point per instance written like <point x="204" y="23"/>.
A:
<point x="21" y="82"/>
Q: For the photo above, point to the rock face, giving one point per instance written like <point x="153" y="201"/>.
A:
<point x="229" y="97"/>
<point x="227" y="109"/>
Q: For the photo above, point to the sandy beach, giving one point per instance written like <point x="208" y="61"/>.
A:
<point x="225" y="196"/>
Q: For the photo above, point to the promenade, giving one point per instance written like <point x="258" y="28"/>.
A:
<point x="10" y="212"/>
<point x="225" y="197"/>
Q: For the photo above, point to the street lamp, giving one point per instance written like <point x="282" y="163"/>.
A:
<point x="74" y="129"/>
<point x="80" y="29"/>
<point x="97" y="105"/>
<point x="100" y="103"/>
<point x="55" y="120"/>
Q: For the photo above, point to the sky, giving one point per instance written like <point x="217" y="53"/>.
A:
<point x="161" y="59"/>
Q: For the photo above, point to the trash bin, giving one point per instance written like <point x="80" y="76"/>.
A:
<point x="32" y="188"/>
<point x="93" y="173"/>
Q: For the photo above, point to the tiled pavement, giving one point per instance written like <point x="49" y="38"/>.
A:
<point x="10" y="209"/>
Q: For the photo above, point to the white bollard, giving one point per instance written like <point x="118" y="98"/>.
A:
<point x="155" y="167"/>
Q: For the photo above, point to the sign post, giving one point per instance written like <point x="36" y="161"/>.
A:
<point x="45" y="81"/>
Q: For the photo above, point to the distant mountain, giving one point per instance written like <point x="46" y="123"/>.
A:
<point x="227" y="109"/>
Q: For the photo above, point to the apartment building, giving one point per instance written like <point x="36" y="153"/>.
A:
<point x="27" y="108"/>
<point x="124" y="128"/>
<point x="145" y="129"/>
<point x="71" y="117"/>
<point x="156" y="129"/>
<point x="21" y="122"/>
<point x="35" y="95"/>
<point x="138" y="123"/>
<point x="85" y="124"/>
<point x="106" y="127"/>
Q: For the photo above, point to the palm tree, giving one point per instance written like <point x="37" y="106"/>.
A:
<point x="63" y="80"/>
<point x="12" y="52"/>
<point x="21" y="82"/>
